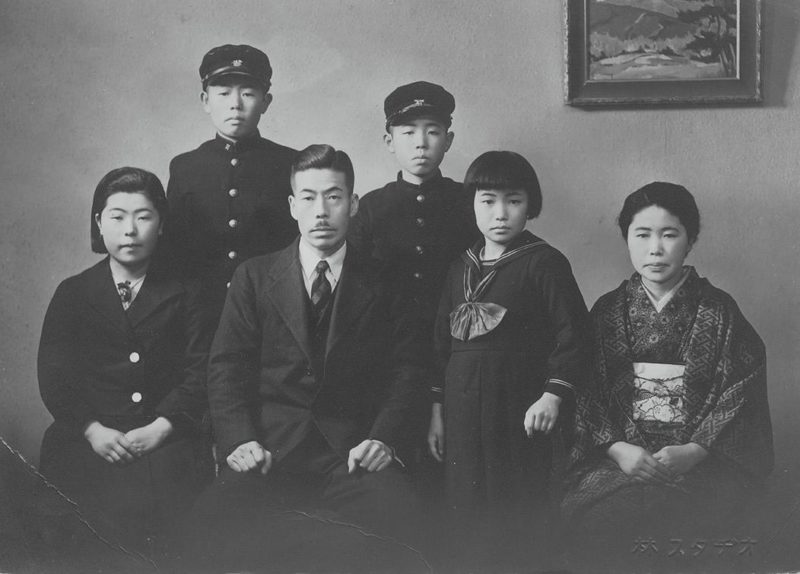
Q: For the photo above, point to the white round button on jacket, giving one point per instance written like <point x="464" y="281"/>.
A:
<point x="136" y="397"/>
<point x="134" y="357"/>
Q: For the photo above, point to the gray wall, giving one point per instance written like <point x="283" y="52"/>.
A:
<point x="87" y="86"/>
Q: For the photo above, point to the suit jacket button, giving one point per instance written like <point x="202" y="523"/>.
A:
<point x="228" y="285"/>
<point x="233" y="192"/>
<point x="419" y="249"/>
<point x="232" y="255"/>
<point x="309" y="371"/>
<point x="134" y="357"/>
<point x="232" y="223"/>
<point x="417" y="275"/>
<point x="420" y="198"/>
<point x="420" y="222"/>
<point x="136" y="397"/>
<point x="234" y="162"/>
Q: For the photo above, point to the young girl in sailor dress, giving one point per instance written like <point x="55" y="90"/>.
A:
<point x="512" y="339"/>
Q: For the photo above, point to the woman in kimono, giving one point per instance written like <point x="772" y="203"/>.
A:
<point x="677" y="428"/>
<point x="122" y="370"/>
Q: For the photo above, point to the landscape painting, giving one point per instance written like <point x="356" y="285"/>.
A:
<point x="663" y="39"/>
<point x="662" y="52"/>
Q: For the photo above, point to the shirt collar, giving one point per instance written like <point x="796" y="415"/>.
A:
<point x="309" y="260"/>
<point x="135" y="286"/>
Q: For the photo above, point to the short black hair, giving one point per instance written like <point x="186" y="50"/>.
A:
<point x="505" y="170"/>
<point x="324" y="156"/>
<point x="669" y="196"/>
<point x="125" y="180"/>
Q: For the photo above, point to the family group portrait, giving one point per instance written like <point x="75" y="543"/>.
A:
<point x="396" y="286"/>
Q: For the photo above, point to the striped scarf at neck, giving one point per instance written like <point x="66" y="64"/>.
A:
<point x="474" y="318"/>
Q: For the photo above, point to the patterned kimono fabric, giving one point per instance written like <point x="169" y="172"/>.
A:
<point x="719" y="402"/>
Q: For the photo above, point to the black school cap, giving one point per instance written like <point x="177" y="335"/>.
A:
<point x="236" y="60"/>
<point x="416" y="100"/>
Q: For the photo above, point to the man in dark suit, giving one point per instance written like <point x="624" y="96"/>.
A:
<point x="312" y="373"/>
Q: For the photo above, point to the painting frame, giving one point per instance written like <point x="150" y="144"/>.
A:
<point x="581" y="90"/>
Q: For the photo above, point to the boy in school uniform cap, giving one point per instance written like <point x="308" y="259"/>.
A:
<point x="419" y="99"/>
<point x="227" y="198"/>
<point x="243" y="60"/>
<point x="420" y="222"/>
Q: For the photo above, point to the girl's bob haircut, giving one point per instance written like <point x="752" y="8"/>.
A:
<point x="125" y="180"/>
<point x="505" y="170"/>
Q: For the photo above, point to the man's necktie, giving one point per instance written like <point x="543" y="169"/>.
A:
<point x="320" y="290"/>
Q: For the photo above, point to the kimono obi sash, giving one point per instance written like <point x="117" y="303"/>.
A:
<point x="659" y="393"/>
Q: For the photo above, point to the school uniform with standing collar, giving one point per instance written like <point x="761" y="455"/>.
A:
<point x="124" y="368"/>
<point x="417" y="231"/>
<point x="228" y="202"/>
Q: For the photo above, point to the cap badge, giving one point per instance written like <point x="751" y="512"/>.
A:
<point x="236" y="63"/>
<point x="419" y="102"/>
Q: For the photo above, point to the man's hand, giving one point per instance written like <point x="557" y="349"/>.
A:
<point x="148" y="438"/>
<point x="542" y="414"/>
<point x="371" y="455"/>
<point x="436" y="432"/>
<point x="109" y="443"/>
<point x="680" y="459"/>
<point x="248" y="456"/>
<point x="637" y="462"/>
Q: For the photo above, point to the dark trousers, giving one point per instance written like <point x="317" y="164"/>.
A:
<point x="308" y="513"/>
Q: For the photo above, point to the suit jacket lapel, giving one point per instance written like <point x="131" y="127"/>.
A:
<point x="353" y="293"/>
<point x="154" y="291"/>
<point x="287" y="292"/>
<point x="101" y="294"/>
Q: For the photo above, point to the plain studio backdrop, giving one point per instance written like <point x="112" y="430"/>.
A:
<point x="86" y="86"/>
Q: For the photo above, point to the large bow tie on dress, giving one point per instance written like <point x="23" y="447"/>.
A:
<point x="474" y="318"/>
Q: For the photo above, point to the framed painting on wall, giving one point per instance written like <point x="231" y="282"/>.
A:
<point x="662" y="52"/>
